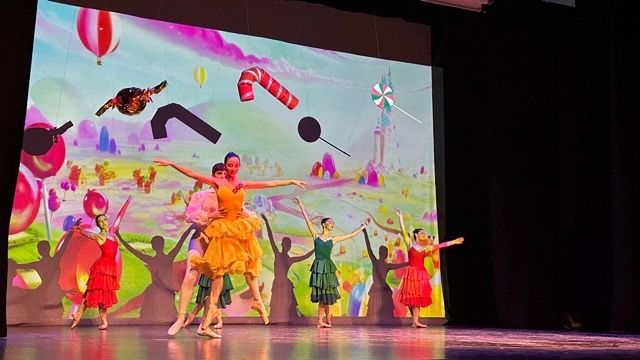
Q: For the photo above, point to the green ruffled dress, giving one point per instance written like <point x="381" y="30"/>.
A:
<point x="324" y="282"/>
<point x="204" y="289"/>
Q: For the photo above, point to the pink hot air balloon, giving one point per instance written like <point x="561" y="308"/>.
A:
<point x="99" y="31"/>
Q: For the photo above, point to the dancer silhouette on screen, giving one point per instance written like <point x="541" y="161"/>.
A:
<point x="284" y="306"/>
<point x="380" y="306"/>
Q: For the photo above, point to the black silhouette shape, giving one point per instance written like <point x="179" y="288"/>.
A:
<point x="173" y="110"/>
<point x="44" y="303"/>
<point x="284" y="306"/>
<point x="380" y="307"/>
<point x="38" y="141"/>
<point x="309" y="130"/>
<point x="131" y="101"/>
<point x="159" y="297"/>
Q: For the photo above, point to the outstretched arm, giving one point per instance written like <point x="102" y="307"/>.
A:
<point x="312" y="228"/>
<point x="295" y="259"/>
<point x="270" y="234"/>
<point x="188" y="172"/>
<point x="138" y="254"/>
<point x="273" y="183"/>
<point x="403" y="230"/>
<point x="368" y="243"/>
<point x="397" y="266"/>
<point x="457" y="241"/>
<point x="337" y="239"/>
<point x="176" y="249"/>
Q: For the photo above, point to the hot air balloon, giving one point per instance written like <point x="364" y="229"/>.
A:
<point x="99" y="31"/>
<point x="200" y="75"/>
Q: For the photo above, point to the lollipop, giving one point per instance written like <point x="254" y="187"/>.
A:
<point x="309" y="130"/>
<point x="382" y="96"/>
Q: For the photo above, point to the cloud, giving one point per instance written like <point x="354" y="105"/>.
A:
<point x="211" y="43"/>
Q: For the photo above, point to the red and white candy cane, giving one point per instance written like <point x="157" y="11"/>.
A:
<point x="249" y="76"/>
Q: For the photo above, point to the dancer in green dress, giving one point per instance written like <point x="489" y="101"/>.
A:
<point x="324" y="282"/>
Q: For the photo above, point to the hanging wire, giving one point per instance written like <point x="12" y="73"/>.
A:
<point x="164" y="45"/>
<point x="64" y="74"/>
<point x="375" y="29"/>
<point x="364" y="98"/>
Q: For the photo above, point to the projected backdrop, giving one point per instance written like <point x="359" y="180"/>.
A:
<point x="366" y="147"/>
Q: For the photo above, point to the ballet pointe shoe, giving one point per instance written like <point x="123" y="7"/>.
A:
<point x="218" y="325"/>
<point x="259" y="307"/>
<point x="75" y="322"/>
<point x="104" y="326"/>
<point x="179" y="324"/>
<point x="418" y="325"/>
<point x="190" y="318"/>
<point x="322" y="324"/>
<point x="208" y="332"/>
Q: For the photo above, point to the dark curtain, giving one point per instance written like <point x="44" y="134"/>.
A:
<point x="16" y="44"/>
<point x="540" y="165"/>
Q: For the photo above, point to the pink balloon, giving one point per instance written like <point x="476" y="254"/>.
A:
<point x="26" y="201"/>
<point x="44" y="166"/>
<point x="95" y="203"/>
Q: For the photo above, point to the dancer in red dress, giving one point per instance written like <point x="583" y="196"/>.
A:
<point x="415" y="289"/>
<point x="103" y="276"/>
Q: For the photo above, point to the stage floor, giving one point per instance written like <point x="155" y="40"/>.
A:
<point x="257" y="342"/>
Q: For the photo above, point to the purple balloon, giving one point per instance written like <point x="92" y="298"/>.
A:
<point x="68" y="222"/>
<point x="54" y="203"/>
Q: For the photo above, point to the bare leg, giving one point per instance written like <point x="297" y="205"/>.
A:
<point x="415" y="312"/>
<point x="77" y="316"/>
<point x="327" y="312"/>
<point x="103" y="317"/>
<point x="192" y="315"/>
<point x="216" y="289"/>
<point x="206" y="310"/>
<point x="321" y="314"/>
<point x="218" y="324"/>
<point x="258" y="306"/>
<point x="186" y="292"/>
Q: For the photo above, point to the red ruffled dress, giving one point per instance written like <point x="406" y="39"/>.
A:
<point x="415" y="289"/>
<point x="103" y="278"/>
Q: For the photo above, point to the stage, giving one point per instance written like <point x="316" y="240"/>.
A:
<point x="257" y="342"/>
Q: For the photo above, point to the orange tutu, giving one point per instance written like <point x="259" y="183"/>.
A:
<point x="233" y="248"/>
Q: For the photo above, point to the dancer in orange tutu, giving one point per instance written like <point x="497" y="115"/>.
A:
<point x="233" y="247"/>
<point x="415" y="289"/>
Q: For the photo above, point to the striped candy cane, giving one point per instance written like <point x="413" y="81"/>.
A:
<point x="249" y="76"/>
